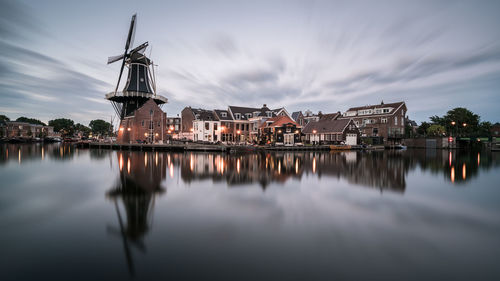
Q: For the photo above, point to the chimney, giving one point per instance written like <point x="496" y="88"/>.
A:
<point x="265" y="105"/>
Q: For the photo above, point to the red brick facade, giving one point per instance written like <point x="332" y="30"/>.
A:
<point x="148" y="124"/>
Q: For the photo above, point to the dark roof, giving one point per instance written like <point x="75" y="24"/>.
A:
<point x="204" y="114"/>
<point x="296" y="115"/>
<point x="381" y="105"/>
<point x="244" y="110"/>
<point x="219" y="115"/>
<point x="326" y="126"/>
<point x="330" y="116"/>
<point x="278" y="121"/>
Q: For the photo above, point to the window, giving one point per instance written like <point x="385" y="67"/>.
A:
<point x="249" y="115"/>
<point x="237" y="116"/>
<point x="383" y="120"/>
<point x="215" y="126"/>
<point x="288" y="129"/>
<point x="375" y="131"/>
<point x="151" y="112"/>
<point x="395" y="120"/>
<point x="269" y="113"/>
<point x="247" y="128"/>
<point x="142" y="123"/>
<point x="151" y="125"/>
<point x="207" y="126"/>
<point x="159" y="123"/>
<point x="402" y="121"/>
<point x="237" y="126"/>
<point x="386" y="110"/>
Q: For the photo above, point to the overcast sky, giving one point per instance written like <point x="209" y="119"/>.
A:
<point x="318" y="55"/>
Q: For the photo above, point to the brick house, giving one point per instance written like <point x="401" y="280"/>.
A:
<point x="147" y="124"/>
<point x="381" y="120"/>
<point x="280" y="130"/>
<point x="14" y="129"/>
<point x="328" y="131"/>
<point x="247" y="120"/>
<point x="173" y="126"/>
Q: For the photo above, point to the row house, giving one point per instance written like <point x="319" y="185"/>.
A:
<point x="12" y="129"/>
<point x="207" y="127"/>
<point x="247" y="120"/>
<point x="280" y="130"/>
<point x="236" y="124"/>
<point x="188" y="116"/>
<point x="381" y="120"/>
<point x="173" y="125"/>
<point x="331" y="131"/>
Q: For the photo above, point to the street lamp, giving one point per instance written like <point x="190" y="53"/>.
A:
<point x="238" y="133"/>
<point x="314" y="135"/>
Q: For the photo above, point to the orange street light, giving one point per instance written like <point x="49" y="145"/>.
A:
<point x="464" y="124"/>
<point x="121" y="128"/>
<point x="453" y="123"/>
<point x="169" y="131"/>
<point x="314" y="131"/>
<point x="145" y="134"/>
<point x="128" y="129"/>
<point x="171" y="128"/>
<point x="238" y="132"/>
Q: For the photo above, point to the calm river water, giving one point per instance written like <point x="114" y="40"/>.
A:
<point x="68" y="214"/>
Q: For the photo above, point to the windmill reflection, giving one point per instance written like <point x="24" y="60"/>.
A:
<point x="141" y="175"/>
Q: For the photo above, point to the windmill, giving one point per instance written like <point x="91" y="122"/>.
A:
<point x="141" y="82"/>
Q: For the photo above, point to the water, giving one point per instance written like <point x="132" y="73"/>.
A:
<point x="68" y="214"/>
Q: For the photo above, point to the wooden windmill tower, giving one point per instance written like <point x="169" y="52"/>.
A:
<point x="140" y="86"/>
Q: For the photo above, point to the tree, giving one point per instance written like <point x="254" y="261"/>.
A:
<point x="458" y="121"/>
<point x="436" y="130"/>
<point x="100" y="127"/>
<point x="30" y="121"/>
<point x="422" y="129"/>
<point x="84" y="130"/>
<point x="4" y="118"/>
<point x="63" y="126"/>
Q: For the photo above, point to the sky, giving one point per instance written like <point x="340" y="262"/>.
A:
<point x="320" y="55"/>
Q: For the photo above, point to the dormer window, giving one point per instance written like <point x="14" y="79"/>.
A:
<point x="237" y="116"/>
<point x="223" y="114"/>
<point x="249" y="115"/>
<point x="269" y="113"/>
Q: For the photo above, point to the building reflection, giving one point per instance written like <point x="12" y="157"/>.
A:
<point x="139" y="183"/>
<point x="22" y="153"/>
<point x="382" y="171"/>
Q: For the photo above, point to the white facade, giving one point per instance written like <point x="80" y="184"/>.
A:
<point x="207" y="130"/>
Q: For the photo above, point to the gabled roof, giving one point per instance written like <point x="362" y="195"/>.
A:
<point x="218" y="113"/>
<point x="244" y="110"/>
<point x="326" y="126"/>
<point x="330" y="116"/>
<point x="203" y="114"/>
<point x="278" y="121"/>
<point x="296" y="115"/>
<point x="381" y="105"/>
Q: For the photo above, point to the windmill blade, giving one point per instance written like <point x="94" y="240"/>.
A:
<point x="140" y="48"/>
<point x="114" y="59"/>
<point x="131" y="33"/>
<point x="121" y="72"/>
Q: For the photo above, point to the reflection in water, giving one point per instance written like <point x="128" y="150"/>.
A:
<point x="136" y="189"/>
